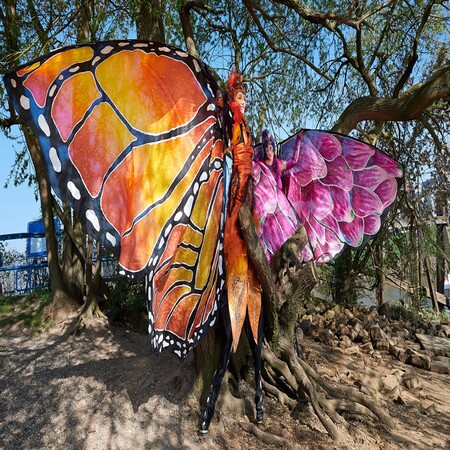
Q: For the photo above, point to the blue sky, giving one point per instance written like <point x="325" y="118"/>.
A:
<point x="17" y="202"/>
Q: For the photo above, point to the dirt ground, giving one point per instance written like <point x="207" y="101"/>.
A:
<point x="105" y="390"/>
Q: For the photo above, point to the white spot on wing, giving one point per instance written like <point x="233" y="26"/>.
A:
<point x="182" y="54"/>
<point x="111" y="239"/>
<point x="188" y="206"/>
<point x="43" y="125"/>
<point x="196" y="65"/>
<point x="107" y="49"/>
<point x="168" y="230"/>
<point x="74" y="190"/>
<point x="164" y="49"/>
<point x="178" y="216"/>
<point x="56" y="163"/>
<point x="74" y="69"/>
<point x="13" y="83"/>
<point x="92" y="217"/>
<point x="220" y="265"/>
<point x="24" y="102"/>
<point x="211" y="107"/>
<point x="52" y="90"/>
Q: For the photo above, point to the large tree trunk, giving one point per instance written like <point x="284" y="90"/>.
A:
<point x="62" y="302"/>
<point x="415" y="263"/>
<point x="344" y="281"/>
<point x="73" y="269"/>
<point x="149" y="23"/>
<point x="84" y="31"/>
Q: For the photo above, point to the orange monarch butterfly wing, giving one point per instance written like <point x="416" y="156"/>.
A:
<point x="131" y="138"/>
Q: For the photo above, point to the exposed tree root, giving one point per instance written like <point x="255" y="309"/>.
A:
<point x="303" y="380"/>
<point x="90" y="315"/>
<point x="348" y="394"/>
<point x="328" y="406"/>
<point x="281" y="367"/>
<point x="283" y="398"/>
<point x="348" y="406"/>
<point x="62" y="305"/>
<point x="227" y="401"/>
<point x="267" y="438"/>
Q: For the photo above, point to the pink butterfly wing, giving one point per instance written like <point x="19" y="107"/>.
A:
<point x="340" y="188"/>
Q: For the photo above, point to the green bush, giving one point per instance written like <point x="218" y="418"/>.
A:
<point x="126" y="299"/>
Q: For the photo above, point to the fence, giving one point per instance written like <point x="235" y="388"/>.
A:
<point x="21" y="273"/>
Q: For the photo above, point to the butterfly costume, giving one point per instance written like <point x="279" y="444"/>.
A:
<point x="133" y="134"/>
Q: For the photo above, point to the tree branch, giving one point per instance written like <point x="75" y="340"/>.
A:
<point x="250" y="7"/>
<point x="408" y="107"/>
<point x="413" y="56"/>
<point x="322" y="18"/>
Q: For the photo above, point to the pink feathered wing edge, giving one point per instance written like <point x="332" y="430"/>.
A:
<point x="339" y="189"/>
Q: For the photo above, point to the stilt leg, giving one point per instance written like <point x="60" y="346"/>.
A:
<point x="224" y="357"/>
<point x="256" y="351"/>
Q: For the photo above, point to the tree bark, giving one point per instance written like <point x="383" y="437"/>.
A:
<point x="84" y="31"/>
<point x="431" y="288"/>
<point x="409" y="106"/>
<point x="62" y="302"/>
<point x="149" y="23"/>
<point x="73" y="269"/>
<point x="269" y="293"/>
<point x="185" y="16"/>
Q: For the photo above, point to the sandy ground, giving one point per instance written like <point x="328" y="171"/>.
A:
<point x="104" y="390"/>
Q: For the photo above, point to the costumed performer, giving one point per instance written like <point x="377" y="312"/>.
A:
<point x="243" y="288"/>
<point x="277" y="219"/>
<point x="242" y="284"/>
